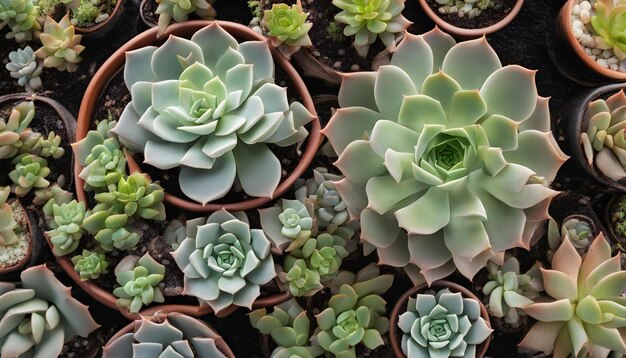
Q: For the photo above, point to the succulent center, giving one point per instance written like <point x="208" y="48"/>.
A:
<point x="347" y="320"/>
<point x="448" y="154"/>
<point x="438" y="330"/>
<point x="289" y="218"/>
<point x="227" y="255"/>
<point x="43" y="317"/>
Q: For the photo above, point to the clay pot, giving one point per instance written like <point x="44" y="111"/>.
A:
<point x="207" y="331"/>
<point x="573" y="119"/>
<point x="100" y="30"/>
<point x="186" y="29"/>
<point x="395" y="334"/>
<point x="570" y="57"/>
<point x="464" y="33"/>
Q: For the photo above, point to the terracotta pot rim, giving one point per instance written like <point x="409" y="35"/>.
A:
<point x="471" y="33"/>
<point x="395" y="313"/>
<point x="566" y="15"/>
<point x="116" y="62"/>
<point x="219" y="341"/>
<point x="95" y="28"/>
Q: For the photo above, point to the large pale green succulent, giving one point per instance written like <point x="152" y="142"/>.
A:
<point x="603" y="140"/>
<point x="447" y="156"/>
<point x="508" y="290"/>
<point x="609" y="24"/>
<point x="66" y="226"/>
<point x="30" y="172"/>
<point x="587" y="309"/>
<point x="138" y="279"/>
<point x="289" y="225"/>
<point x="7" y="222"/>
<point x="40" y="316"/>
<point x="101" y="157"/>
<point x="176" y="335"/>
<point x="12" y="130"/>
<point x="179" y="10"/>
<point x="224" y="261"/>
<point x="442" y="324"/>
<point x="61" y="47"/>
<point x="21" y="17"/>
<point x="287" y="28"/>
<point x="24" y="67"/>
<point x="327" y="204"/>
<point x="368" y="20"/>
<point x="209" y="106"/>
<point x="289" y="327"/>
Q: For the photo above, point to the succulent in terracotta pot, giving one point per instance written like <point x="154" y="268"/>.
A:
<point x="445" y="168"/>
<point x="138" y="279"/>
<point x="287" y="28"/>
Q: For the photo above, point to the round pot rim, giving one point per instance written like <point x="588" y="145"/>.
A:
<point x="471" y="33"/>
<point x="149" y="37"/>
<point x="576" y="125"/>
<point x="95" y="28"/>
<point x="566" y="17"/>
<point x="395" y="313"/>
<point x="219" y="341"/>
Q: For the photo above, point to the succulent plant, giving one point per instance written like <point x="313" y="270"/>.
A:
<point x="224" y="261"/>
<point x="367" y="20"/>
<point x="23" y="66"/>
<point x="40" y="316"/>
<point x="66" y="226"/>
<point x="287" y="27"/>
<point x="442" y="324"/>
<point x="300" y="280"/>
<point x="578" y="231"/>
<point x="101" y="157"/>
<point x="463" y="8"/>
<point x="179" y="10"/>
<point x="328" y="205"/>
<point x="138" y="279"/>
<point x="508" y="290"/>
<point x="289" y="225"/>
<point x="176" y="336"/>
<point x="445" y="168"/>
<point x="213" y="114"/>
<point x="289" y="327"/>
<point x="7" y="222"/>
<point x="50" y="196"/>
<point x="118" y="237"/>
<point x="609" y="25"/>
<point x="61" y="47"/>
<point x="355" y="314"/>
<point x="21" y="17"/>
<point x="11" y="130"/>
<point x="603" y="141"/>
<point x="30" y="172"/>
<point x="586" y="310"/>
<point x="175" y="233"/>
<point x="90" y="265"/>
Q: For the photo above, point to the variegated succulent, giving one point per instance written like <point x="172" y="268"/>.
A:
<point x="224" y="261"/>
<point x="40" y="316"/>
<point x="177" y="335"/>
<point x="586" y="312"/>
<point x="445" y="167"/>
<point x="139" y="280"/>
<point x="61" y="47"/>
<point x="287" y="27"/>
<point x="603" y="140"/>
<point x="209" y="106"/>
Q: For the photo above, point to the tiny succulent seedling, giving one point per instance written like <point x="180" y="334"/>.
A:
<point x="287" y="27"/>
<point x="30" y="172"/>
<point x="578" y="231"/>
<point x="66" y="226"/>
<point x="7" y="222"/>
<point x="603" y="140"/>
<point x="288" y="225"/>
<point x="50" y="196"/>
<point x="24" y="67"/>
<point x="138" y="279"/>
<point x="179" y="10"/>
<point x="61" y="47"/>
<point x="21" y="18"/>
<point x="13" y="129"/>
<point x="320" y="191"/>
<point x="586" y="311"/>
<point x="40" y="315"/>
<point x="609" y="25"/>
<point x="90" y="265"/>
<point x="442" y="324"/>
<point x="368" y="20"/>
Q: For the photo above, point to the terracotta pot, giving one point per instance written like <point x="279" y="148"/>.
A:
<point x="207" y="331"/>
<point x="573" y="119"/>
<point x="570" y="58"/>
<point x="395" y="334"/>
<point x="100" y="30"/>
<point x="186" y="29"/>
<point x="464" y="33"/>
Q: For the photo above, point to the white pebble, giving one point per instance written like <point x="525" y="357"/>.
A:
<point x="588" y="51"/>
<point x="341" y="52"/>
<point x="577" y="24"/>
<point x="578" y="32"/>
<point x="602" y="62"/>
<point x="576" y="9"/>
<point x="614" y="67"/>
<point x="585" y="5"/>
<point x="606" y="53"/>
<point x="596" y="51"/>
<point x="593" y="57"/>
<point x="613" y="61"/>
<point x="585" y="16"/>
<point x="316" y="53"/>
<point x="354" y="67"/>
<point x="337" y="64"/>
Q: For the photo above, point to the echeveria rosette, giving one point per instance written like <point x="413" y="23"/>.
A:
<point x="321" y="193"/>
<point x="224" y="261"/>
<point x="287" y="28"/>
<point x="445" y="167"/>
<point x="90" y="265"/>
<point x="368" y="20"/>
<point x="139" y="286"/>
<point x="442" y="324"/>
<point x="609" y="25"/>
<point x="603" y="140"/>
<point x="209" y="105"/>
<point x="289" y="225"/>
<point x="578" y="231"/>
<point x="21" y="17"/>
<point x="24" y="67"/>
<point x="176" y="336"/>
<point x="12" y="129"/>
<point x="30" y="172"/>
<point x="66" y="226"/>
<point x="40" y="316"/>
<point x="300" y="279"/>
<point x="586" y="311"/>
<point x="61" y="47"/>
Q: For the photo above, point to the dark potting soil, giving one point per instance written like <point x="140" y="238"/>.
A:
<point x="148" y="9"/>
<point x="487" y="17"/>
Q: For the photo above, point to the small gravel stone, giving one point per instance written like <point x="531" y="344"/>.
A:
<point x="578" y="32"/>
<point x="607" y="54"/>
<point x="316" y="53"/>
<point x="614" y="67"/>
<point x="602" y="62"/>
<point x="341" y="52"/>
<point x="354" y="67"/>
<point x="596" y="51"/>
<point x="337" y="64"/>
<point x="576" y="9"/>
<point x="613" y="61"/>
<point x="585" y="5"/>
<point x="585" y="16"/>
